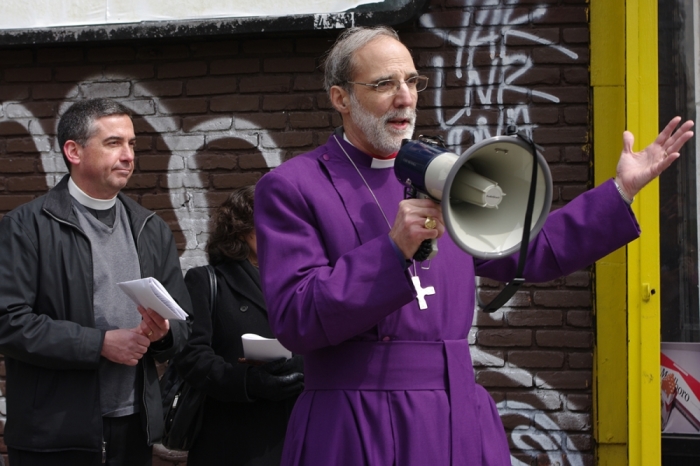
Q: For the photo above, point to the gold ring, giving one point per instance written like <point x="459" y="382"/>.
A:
<point x="150" y="333"/>
<point x="665" y="154"/>
<point x="430" y="223"/>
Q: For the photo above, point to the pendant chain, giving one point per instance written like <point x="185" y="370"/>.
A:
<point x="415" y="272"/>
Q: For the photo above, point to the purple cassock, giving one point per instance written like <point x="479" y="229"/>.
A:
<point x="388" y="383"/>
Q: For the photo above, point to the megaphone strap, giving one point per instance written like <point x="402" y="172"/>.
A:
<point x="513" y="286"/>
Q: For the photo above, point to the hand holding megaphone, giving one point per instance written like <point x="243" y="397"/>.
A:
<point x="413" y="226"/>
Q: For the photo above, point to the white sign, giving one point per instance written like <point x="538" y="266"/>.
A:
<point x="31" y="14"/>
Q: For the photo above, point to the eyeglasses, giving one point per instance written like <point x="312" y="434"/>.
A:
<point x="392" y="86"/>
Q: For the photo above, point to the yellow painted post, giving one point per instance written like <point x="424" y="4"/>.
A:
<point x="607" y="19"/>
<point x="624" y="79"/>
<point x="644" y="323"/>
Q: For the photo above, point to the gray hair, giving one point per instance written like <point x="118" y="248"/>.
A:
<point x="339" y="64"/>
<point x="76" y="123"/>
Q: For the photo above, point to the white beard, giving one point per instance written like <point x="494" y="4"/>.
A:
<point x="380" y="135"/>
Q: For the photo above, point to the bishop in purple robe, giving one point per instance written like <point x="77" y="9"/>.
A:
<point x="388" y="374"/>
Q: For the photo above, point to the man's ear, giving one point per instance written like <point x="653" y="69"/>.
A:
<point x="340" y="99"/>
<point x="72" y="151"/>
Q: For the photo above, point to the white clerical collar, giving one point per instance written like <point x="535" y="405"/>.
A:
<point x="376" y="163"/>
<point x="87" y="201"/>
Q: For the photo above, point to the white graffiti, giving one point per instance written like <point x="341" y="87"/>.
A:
<point x="485" y="86"/>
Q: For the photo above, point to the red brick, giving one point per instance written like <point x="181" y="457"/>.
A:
<point x="521" y="420"/>
<point x="9" y="202"/>
<point x="75" y="74"/>
<point x="142" y="181"/>
<point x="579" y="318"/>
<point x="59" y="55"/>
<point x="308" y="82"/>
<point x="25" y="75"/>
<point x="232" y="143"/>
<point x="287" y="102"/>
<point x="54" y="91"/>
<point x="163" y="52"/>
<point x="31" y="110"/>
<point x="235" y="66"/>
<point x="567" y="56"/>
<point x="576" y="76"/>
<point x="181" y="106"/>
<point x="17" y="165"/>
<point x="267" y="46"/>
<point x="564" y="338"/>
<point x="129" y="71"/>
<point x="518" y="36"/>
<point x="581" y="360"/>
<point x="301" y="120"/>
<point x="108" y="90"/>
<point x="13" y="92"/>
<point x="260" y="84"/>
<point x="576" y="35"/>
<point x="543" y="400"/>
<point x="212" y="161"/>
<point x="207" y="123"/>
<point x="536" y="359"/>
<point x="289" y="65"/>
<point x="252" y="162"/>
<point x="234" y="180"/>
<point x="504" y="378"/>
<point x="423" y="39"/>
<point x="182" y="69"/>
<point x="10" y="57"/>
<point x="493" y="17"/>
<point x="561" y="134"/>
<point x="505" y="337"/>
<point x="156" y="201"/>
<point x="287" y="140"/>
<point x="209" y="86"/>
<point x="27" y="184"/>
<point x="235" y="103"/>
<point x="214" y="48"/>
<point x="111" y="54"/>
<point x="544" y="115"/>
<point x="563" y="15"/>
<point x="564" y="421"/>
<point x="534" y="318"/>
<point x="444" y="19"/>
<point x="153" y="162"/>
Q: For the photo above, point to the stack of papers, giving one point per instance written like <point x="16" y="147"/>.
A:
<point x="257" y="348"/>
<point x="149" y="293"/>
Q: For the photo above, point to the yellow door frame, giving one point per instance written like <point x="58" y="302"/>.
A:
<point x="624" y="80"/>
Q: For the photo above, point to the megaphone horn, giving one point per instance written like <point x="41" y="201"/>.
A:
<point x="495" y="196"/>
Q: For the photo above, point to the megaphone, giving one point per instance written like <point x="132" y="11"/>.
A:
<point x="495" y="197"/>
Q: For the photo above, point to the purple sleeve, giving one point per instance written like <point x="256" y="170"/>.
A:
<point x="587" y="229"/>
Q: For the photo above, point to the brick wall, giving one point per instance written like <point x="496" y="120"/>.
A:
<point x="217" y="113"/>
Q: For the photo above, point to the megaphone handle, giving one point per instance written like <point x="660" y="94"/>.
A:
<point x="427" y="250"/>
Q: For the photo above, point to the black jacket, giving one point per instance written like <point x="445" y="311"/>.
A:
<point x="47" y="329"/>
<point x="235" y="430"/>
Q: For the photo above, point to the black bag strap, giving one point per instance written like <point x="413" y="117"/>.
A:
<point x="212" y="289"/>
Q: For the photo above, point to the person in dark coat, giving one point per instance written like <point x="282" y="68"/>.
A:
<point x="247" y="406"/>
<point x="82" y="383"/>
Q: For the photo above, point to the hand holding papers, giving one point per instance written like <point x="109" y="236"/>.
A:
<point x="257" y="348"/>
<point x="149" y="293"/>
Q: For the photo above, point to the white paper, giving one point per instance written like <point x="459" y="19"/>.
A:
<point x="258" y="348"/>
<point x="149" y="293"/>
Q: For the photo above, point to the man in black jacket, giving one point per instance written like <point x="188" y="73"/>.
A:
<point x="82" y="386"/>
